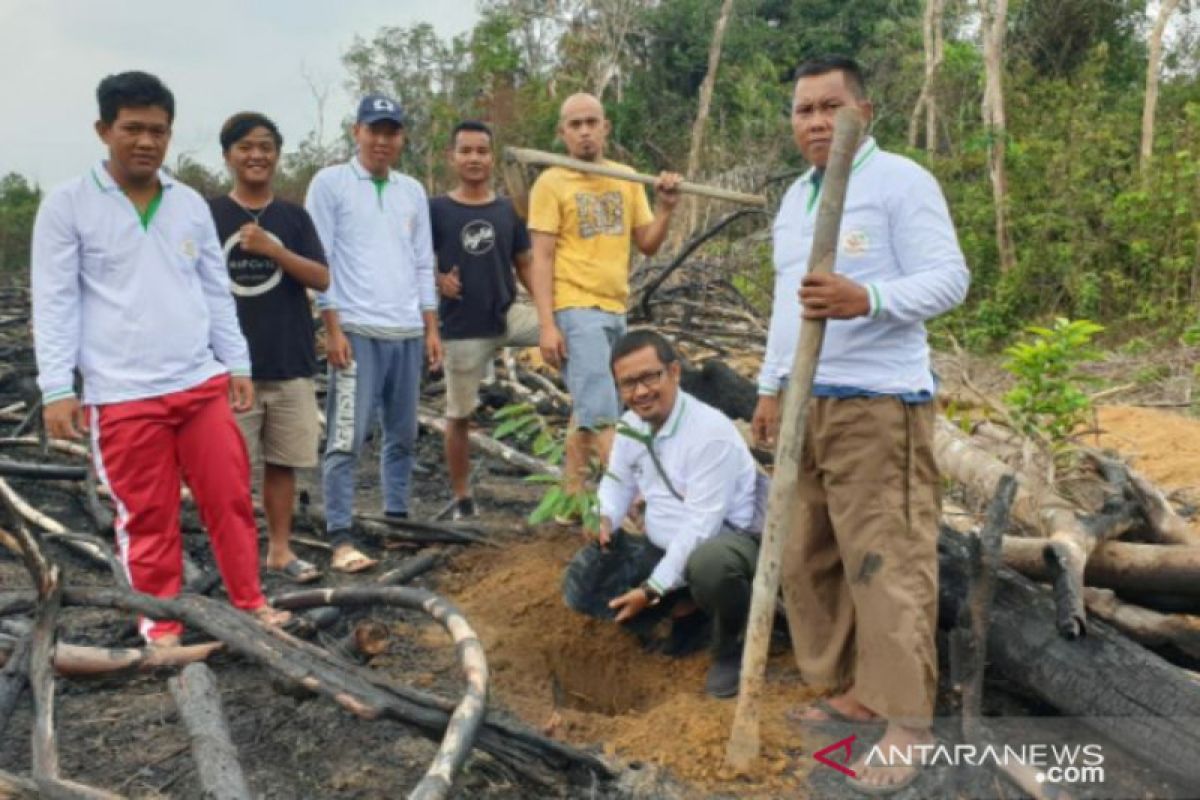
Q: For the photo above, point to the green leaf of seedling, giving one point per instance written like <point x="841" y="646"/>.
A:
<point x="514" y="410"/>
<point x="506" y="428"/>
<point x="548" y="507"/>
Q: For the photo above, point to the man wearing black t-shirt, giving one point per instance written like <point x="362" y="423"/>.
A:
<point x="274" y="255"/>
<point x="479" y="240"/>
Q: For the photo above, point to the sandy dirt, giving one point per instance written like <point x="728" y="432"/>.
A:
<point x="641" y="706"/>
<point x="1163" y="445"/>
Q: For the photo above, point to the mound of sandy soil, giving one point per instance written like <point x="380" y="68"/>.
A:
<point x="1163" y="445"/>
<point x="588" y="681"/>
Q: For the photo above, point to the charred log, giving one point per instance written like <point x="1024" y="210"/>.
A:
<point x="1097" y="678"/>
<point x="199" y="701"/>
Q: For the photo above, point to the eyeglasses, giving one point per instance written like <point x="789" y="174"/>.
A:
<point x="650" y="380"/>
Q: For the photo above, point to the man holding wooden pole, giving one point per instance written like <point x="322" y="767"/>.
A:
<point x="582" y="226"/>
<point x="859" y="570"/>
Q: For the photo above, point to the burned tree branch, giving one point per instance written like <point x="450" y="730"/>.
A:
<point x="1070" y="538"/>
<point x="968" y="641"/>
<point x="199" y="701"/>
<point x="509" y="455"/>
<point x="36" y="471"/>
<point x="1128" y="566"/>
<point x="362" y="691"/>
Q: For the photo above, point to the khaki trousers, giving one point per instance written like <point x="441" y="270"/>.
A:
<point x="860" y="563"/>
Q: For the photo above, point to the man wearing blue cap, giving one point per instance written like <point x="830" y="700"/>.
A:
<point x="380" y="315"/>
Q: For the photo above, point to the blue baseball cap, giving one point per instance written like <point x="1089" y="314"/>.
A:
<point x="376" y="107"/>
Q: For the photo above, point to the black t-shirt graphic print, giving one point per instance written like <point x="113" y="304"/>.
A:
<point x="272" y="306"/>
<point x="482" y="242"/>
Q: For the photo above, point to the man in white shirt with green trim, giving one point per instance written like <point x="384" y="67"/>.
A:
<point x="129" y="287"/>
<point x="380" y="316"/>
<point x="701" y="487"/>
<point x="860" y="566"/>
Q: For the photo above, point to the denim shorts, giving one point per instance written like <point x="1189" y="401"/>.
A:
<point x="590" y="335"/>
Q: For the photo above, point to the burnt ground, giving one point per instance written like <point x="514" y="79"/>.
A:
<point x="125" y="734"/>
<point x="577" y="680"/>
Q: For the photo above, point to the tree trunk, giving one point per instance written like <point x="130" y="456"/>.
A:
<point x="199" y="701"/>
<point x="1154" y="65"/>
<point x="931" y="34"/>
<point x="706" y="93"/>
<point x="995" y="21"/>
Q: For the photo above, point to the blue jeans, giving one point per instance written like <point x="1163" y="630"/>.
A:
<point x="383" y="382"/>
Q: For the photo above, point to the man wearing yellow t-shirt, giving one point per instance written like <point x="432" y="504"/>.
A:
<point x="582" y="227"/>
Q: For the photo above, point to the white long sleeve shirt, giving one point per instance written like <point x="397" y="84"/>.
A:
<point x="141" y="311"/>
<point x="897" y="239"/>
<point x="379" y="245"/>
<point x="709" y="465"/>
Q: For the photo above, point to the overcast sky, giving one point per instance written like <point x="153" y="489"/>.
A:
<point x="217" y="56"/>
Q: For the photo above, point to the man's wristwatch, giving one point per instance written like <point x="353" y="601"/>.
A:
<point x="653" y="596"/>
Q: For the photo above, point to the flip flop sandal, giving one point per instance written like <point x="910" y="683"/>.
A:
<point x="889" y="788"/>
<point x="297" y="571"/>
<point x="353" y="563"/>
<point x="833" y="716"/>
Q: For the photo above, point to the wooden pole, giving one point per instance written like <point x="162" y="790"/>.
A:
<point x="743" y="747"/>
<point x="543" y="159"/>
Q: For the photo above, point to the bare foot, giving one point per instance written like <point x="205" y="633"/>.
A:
<point x="899" y="765"/>
<point x="839" y="708"/>
<point x="271" y="617"/>
<point x="278" y="559"/>
<point x="167" y="640"/>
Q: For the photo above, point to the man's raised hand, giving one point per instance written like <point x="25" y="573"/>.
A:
<point x="253" y="239"/>
<point x="450" y="284"/>
<point x="666" y="190"/>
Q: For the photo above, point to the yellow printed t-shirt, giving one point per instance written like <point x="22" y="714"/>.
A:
<point x="592" y="218"/>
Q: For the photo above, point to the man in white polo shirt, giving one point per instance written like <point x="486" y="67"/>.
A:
<point x="694" y="470"/>
<point x="130" y="288"/>
<point x="860" y="567"/>
<point x="380" y="316"/>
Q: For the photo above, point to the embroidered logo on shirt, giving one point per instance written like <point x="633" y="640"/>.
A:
<point x="856" y="243"/>
<point x="188" y="249"/>
<point x="478" y="237"/>
<point x="600" y="214"/>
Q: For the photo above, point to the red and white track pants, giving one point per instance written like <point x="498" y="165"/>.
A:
<point x="142" y="448"/>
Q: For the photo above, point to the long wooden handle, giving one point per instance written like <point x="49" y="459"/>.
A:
<point x="743" y="747"/>
<point x="541" y="158"/>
